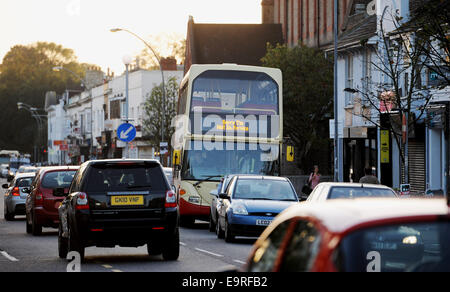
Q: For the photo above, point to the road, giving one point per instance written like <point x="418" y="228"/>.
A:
<point x="201" y="251"/>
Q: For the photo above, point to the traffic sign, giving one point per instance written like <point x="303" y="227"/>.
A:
<point x="126" y="132"/>
<point x="164" y="148"/>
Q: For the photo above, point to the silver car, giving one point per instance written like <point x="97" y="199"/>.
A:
<point x="333" y="191"/>
<point x="168" y="172"/>
<point x="15" y="196"/>
<point x="4" y="170"/>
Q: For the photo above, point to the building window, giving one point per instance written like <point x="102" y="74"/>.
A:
<point x="349" y="79"/>
<point x="368" y="70"/>
<point x="115" y="109"/>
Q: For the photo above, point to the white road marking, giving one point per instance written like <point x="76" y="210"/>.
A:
<point x="11" y="258"/>
<point x="239" y="262"/>
<point x="208" y="252"/>
<point x="117" y="271"/>
<point x="182" y="243"/>
<point x="107" y="266"/>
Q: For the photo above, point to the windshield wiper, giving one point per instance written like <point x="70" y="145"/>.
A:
<point x="208" y="178"/>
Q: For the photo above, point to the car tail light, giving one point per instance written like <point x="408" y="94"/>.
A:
<point x="182" y="192"/>
<point x="16" y="192"/>
<point x="171" y="200"/>
<point x="39" y="199"/>
<point x="82" y="202"/>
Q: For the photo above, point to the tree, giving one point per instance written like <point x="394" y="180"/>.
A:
<point x="431" y="24"/>
<point x="307" y="92"/>
<point x="25" y="76"/>
<point x="154" y="108"/>
<point x="168" y="45"/>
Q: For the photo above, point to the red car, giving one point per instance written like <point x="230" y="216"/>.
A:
<point x="45" y="195"/>
<point x="362" y="235"/>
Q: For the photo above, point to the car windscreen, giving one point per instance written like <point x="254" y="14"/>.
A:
<point x="358" y="192"/>
<point x="24" y="182"/>
<point x="132" y="177"/>
<point x="58" y="179"/>
<point x="263" y="189"/>
<point x="397" y="248"/>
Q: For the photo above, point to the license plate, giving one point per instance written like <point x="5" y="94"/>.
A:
<point x="127" y="200"/>
<point x="384" y="246"/>
<point x="263" y="222"/>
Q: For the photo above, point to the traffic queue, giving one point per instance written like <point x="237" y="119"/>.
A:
<point x="338" y="227"/>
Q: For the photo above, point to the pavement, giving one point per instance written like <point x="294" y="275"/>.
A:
<point x="200" y="251"/>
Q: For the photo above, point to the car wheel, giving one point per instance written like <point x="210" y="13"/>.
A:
<point x="219" y="231"/>
<point x="74" y="244"/>
<point x="8" y="216"/>
<point x="62" y="244"/>
<point x="171" y="249"/>
<point x="229" y="236"/>
<point x="36" y="229"/>
<point x="212" y="225"/>
<point x="28" y="225"/>
<point x="154" y="248"/>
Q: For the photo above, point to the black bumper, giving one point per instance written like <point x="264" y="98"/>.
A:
<point x="130" y="232"/>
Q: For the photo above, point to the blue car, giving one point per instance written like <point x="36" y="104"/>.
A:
<point x="250" y="203"/>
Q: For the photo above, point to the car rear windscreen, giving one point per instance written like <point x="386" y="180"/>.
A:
<point x="354" y="193"/>
<point x="24" y="182"/>
<point x="133" y="177"/>
<point x="58" y="179"/>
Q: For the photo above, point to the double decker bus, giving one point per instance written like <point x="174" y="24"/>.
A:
<point x="231" y="124"/>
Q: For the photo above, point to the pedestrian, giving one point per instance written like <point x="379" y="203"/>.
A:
<point x="369" y="178"/>
<point x="314" y="178"/>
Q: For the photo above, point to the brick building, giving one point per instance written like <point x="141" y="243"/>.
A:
<point x="308" y="21"/>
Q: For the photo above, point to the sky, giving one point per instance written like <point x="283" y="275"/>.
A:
<point x="84" y="25"/>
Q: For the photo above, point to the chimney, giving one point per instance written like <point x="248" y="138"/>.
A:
<point x="268" y="11"/>
<point x="169" y="64"/>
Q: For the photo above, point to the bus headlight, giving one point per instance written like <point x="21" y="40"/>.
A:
<point x="239" y="209"/>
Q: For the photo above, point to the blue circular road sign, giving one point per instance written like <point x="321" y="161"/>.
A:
<point x="126" y="132"/>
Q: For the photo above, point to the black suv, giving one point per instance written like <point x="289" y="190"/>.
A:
<point x="120" y="202"/>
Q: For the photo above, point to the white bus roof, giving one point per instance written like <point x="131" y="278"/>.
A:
<point x="197" y="69"/>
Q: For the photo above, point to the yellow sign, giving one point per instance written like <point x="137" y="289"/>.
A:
<point x="232" y="126"/>
<point x="176" y="157"/>
<point x="127" y="200"/>
<point x="290" y="154"/>
<point x="385" y="150"/>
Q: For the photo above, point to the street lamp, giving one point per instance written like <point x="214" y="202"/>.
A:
<point x="127" y="61"/>
<point x="85" y="85"/>
<point x="38" y="118"/>
<point x="162" y="75"/>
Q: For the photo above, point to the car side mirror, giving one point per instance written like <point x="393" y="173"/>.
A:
<point x="5" y="186"/>
<point x="59" y="192"/>
<point x="223" y="196"/>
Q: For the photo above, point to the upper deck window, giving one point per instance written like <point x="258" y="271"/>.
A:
<point x="235" y="92"/>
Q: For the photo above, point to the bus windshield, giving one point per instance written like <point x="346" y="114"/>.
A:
<point x="235" y="92"/>
<point x="200" y="163"/>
